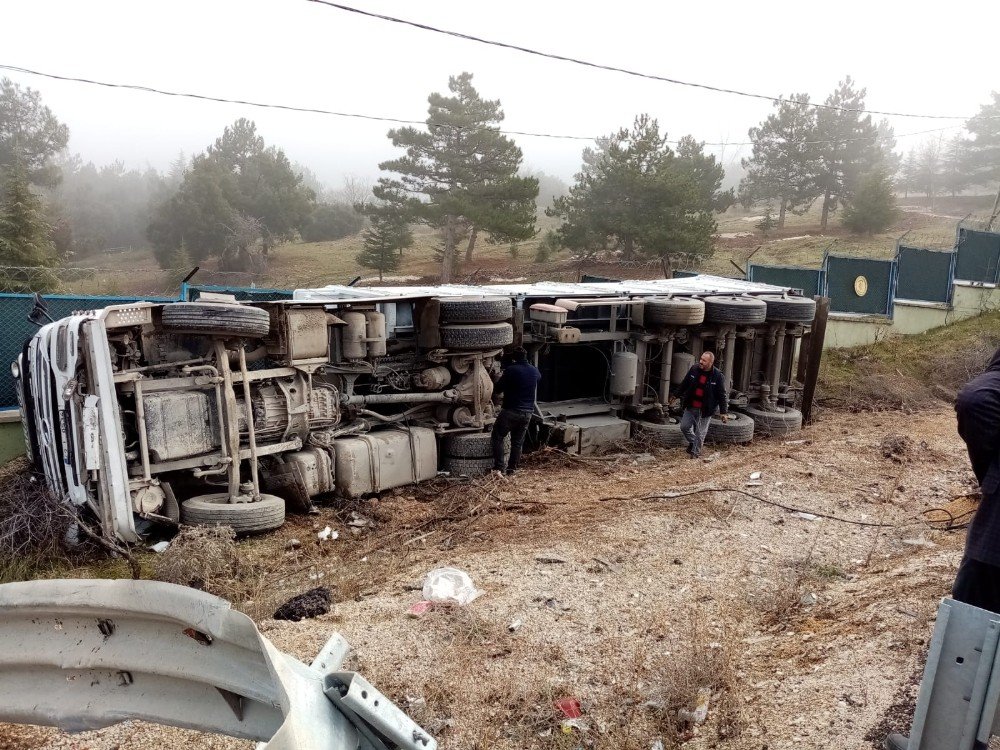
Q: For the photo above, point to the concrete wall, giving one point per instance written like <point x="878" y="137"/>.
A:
<point x="968" y="300"/>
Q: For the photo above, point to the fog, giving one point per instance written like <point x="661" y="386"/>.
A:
<point x="304" y="54"/>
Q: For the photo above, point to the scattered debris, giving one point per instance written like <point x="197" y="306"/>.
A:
<point x="754" y="475"/>
<point x="327" y="534"/>
<point x="419" y="609"/>
<point x="896" y="447"/>
<point x="700" y="712"/>
<point x="312" y="603"/>
<point x="570" y="707"/>
<point x="450" y="585"/>
<point x="159" y="546"/>
<point x="294" y="543"/>
<point x="809" y="599"/>
<point x="514" y="626"/>
<point x="546" y="557"/>
<point x="805" y="516"/>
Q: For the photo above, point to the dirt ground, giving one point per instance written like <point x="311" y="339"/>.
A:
<point x="802" y="600"/>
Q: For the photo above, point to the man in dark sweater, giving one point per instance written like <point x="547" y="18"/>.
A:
<point x="517" y="385"/>
<point x="978" y="579"/>
<point x="702" y="391"/>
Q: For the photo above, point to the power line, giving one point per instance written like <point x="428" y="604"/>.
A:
<point x="616" y="69"/>
<point x="380" y="118"/>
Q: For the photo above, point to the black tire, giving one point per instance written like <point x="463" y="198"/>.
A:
<point x="467" y="467"/>
<point x="472" y="445"/>
<point x="663" y="435"/>
<point x="475" y="309"/>
<point x="789" y="309"/>
<point x="681" y="311"/>
<point x="481" y="336"/>
<point x="217" y="317"/>
<point x="739" y="429"/>
<point x="780" y="421"/>
<point x="733" y="309"/>
<point x="244" y="518"/>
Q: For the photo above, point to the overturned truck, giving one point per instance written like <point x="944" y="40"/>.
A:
<point x="213" y="411"/>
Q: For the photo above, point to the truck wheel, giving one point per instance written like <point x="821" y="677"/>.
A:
<point x="244" y="518"/>
<point x="779" y="421"/>
<point x="789" y="309"/>
<point x="216" y="317"/>
<point x="475" y="309"/>
<point x="472" y="445"/>
<point x="739" y="429"/>
<point x="673" y="312"/>
<point x="468" y="467"/>
<point x="481" y="336"/>
<point x="663" y="435"/>
<point x="733" y="309"/>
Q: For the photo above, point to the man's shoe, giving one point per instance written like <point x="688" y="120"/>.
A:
<point x="896" y="742"/>
<point x="692" y="454"/>
<point x="688" y="449"/>
<point x="510" y="472"/>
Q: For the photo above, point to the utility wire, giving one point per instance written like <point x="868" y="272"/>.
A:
<point x="380" y="118"/>
<point x="626" y="71"/>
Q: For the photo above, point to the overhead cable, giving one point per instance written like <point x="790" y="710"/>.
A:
<point x="381" y="118"/>
<point x="626" y="71"/>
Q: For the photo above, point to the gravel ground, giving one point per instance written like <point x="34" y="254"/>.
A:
<point x="630" y="595"/>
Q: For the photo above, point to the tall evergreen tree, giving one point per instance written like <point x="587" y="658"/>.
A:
<point x="846" y="146"/>
<point x="30" y="135"/>
<point x="461" y="174"/>
<point x="954" y="165"/>
<point x="25" y="235"/>
<point x="873" y="207"/>
<point x="387" y="235"/>
<point x="634" y="195"/>
<point x="889" y="160"/>
<point x="237" y="176"/>
<point x="983" y="165"/>
<point x="907" y="178"/>
<point x="783" y="165"/>
<point x="929" y="173"/>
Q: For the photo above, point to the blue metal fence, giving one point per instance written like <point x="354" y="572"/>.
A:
<point x="807" y="280"/>
<point x="860" y="285"/>
<point x="925" y="275"/>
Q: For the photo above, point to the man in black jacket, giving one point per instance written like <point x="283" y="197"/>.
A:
<point x="978" y="579"/>
<point x="702" y="391"/>
<point x="517" y="385"/>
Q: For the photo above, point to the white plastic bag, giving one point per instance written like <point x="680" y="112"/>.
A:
<point x="450" y="585"/>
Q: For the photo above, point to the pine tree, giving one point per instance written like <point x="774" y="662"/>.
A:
<point x="25" y="235"/>
<point x="783" y="165"/>
<point x="885" y="142"/>
<point x="767" y="222"/>
<point x="385" y="238"/>
<point x="983" y="163"/>
<point x="179" y="265"/>
<point x="954" y="165"/>
<point x="908" y="173"/>
<point x="929" y="172"/>
<point x="466" y="172"/>
<point x="634" y="195"/>
<point x="846" y="146"/>
<point x="873" y="207"/>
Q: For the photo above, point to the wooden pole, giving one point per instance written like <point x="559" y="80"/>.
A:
<point x="816" y="339"/>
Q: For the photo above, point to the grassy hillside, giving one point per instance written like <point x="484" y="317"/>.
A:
<point x="302" y="264"/>
<point x="905" y="372"/>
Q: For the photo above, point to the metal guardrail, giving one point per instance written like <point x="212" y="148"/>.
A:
<point x="86" y="654"/>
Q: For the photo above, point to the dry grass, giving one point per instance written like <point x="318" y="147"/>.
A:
<point x="906" y="373"/>
<point x="33" y="528"/>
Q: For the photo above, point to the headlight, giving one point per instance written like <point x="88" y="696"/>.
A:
<point x="15" y="369"/>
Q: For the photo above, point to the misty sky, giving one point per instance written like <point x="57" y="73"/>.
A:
<point x="299" y="53"/>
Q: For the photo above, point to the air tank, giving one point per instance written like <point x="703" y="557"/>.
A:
<point x="376" y="333"/>
<point x="624" y="367"/>
<point x="682" y="362"/>
<point x="354" y="335"/>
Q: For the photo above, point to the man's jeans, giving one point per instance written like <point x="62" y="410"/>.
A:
<point x="694" y="427"/>
<point x="515" y="424"/>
